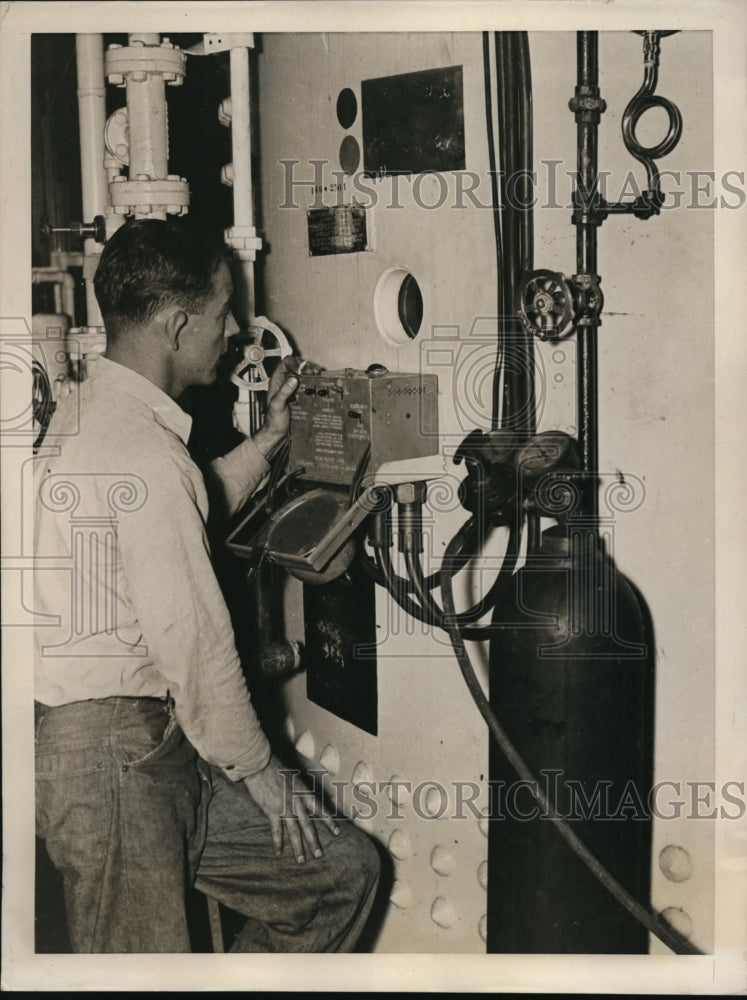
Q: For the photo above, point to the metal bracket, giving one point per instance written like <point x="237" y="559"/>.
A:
<point x="221" y="42"/>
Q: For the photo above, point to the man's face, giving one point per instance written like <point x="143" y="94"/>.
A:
<point x="203" y="341"/>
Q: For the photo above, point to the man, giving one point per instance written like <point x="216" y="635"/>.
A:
<point x="152" y="768"/>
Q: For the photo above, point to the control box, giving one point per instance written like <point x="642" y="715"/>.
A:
<point x="337" y="415"/>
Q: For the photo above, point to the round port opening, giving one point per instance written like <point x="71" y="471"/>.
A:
<point x="347" y="107"/>
<point x="398" y="306"/>
<point x="350" y="154"/>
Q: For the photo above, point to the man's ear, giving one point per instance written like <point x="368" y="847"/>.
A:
<point x="174" y="323"/>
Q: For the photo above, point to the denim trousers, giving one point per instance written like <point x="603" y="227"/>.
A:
<point x="132" y="816"/>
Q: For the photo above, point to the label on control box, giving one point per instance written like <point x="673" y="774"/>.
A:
<point x="335" y="416"/>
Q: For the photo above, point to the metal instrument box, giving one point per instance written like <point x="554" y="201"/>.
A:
<point x="337" y="415"/>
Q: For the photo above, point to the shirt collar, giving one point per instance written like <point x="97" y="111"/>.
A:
<point x="125" y="380"/>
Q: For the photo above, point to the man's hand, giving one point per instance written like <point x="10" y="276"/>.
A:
<point x="289" y="806"/>
<point x="277" y="418"/>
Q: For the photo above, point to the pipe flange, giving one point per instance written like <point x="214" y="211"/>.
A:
<point x="138" y="62"/>
<point x="143" y="195"/>
<point x="83" y="341"/>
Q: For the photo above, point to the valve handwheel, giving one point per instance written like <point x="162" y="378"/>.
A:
<point x="267" y="340"/>
<point x="545" y="304"/>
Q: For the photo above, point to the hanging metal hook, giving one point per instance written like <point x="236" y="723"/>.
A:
<point x="643" y="101"/>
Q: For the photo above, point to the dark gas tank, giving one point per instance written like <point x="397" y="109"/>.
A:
<point x="571" y="680"/>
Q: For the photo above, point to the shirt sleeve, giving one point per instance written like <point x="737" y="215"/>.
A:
<point x="234" y="477"/>
<point x="166" y="566"/>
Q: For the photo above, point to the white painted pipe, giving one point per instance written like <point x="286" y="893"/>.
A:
<point x="89" y="50"/>
<point x="65" y="259"/>
<point x="148" y="122"/>
<point x="241" y="141"/>
<point x="62" y="281"/>
<point x="241" y="152"/>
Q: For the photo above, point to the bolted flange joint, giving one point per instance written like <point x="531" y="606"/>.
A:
<point x="138" y="62"/>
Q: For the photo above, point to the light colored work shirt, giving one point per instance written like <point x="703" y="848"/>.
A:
<point x="123" y="570"/>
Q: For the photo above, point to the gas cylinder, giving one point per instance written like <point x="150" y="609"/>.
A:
<point x="571" y="681"/>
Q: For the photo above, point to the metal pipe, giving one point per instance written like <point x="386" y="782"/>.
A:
<point x="148" y="122"/>
<point x="65" y="259"/>
<point x="515" y="126"/>
<point x="241" y="142"/>
<point x="64" y="282"/>
<point x="588" y="109"/>
<point x="89" y="50"/>
<point x="241" y="152"/>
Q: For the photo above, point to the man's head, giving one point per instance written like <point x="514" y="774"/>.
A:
<point x="164" y="290"/>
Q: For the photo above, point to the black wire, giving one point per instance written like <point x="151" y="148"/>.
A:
<point x="432" y="612"/>
<point x="427" y="611"/>
<point x="359" y="473"/>
<point x="395" y="585"/>
<point x="495" y="420"/>
<point x="525" y="213"/>
<point x="278" y="465"/>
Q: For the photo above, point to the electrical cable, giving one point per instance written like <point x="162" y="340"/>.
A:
<point x="278" y="465"/>
<point x="652" y="921"/>
<point x="428" y="611"/>
<point x="523" y="167"/>
<point x="496" y="216"/>
<point x="358" y="475"/>
<point x="400" y="589"/>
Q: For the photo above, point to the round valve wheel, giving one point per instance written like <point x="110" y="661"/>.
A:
<point x="544" y="303"/>
<point x="267" y="341"/>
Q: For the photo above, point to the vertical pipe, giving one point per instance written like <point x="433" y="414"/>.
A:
<point x="586" y="264"/>
<point x="526" y="217"/>
<point x="92" y="116"/>
<point x="515" y="127"/>
<point x="241" y="144"/>
<point x="148" y="121"/>
<point x="241" y="152"/>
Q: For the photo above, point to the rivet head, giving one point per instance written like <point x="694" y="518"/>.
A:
<point x="397" y="790"/>
<point x="442" y="860"/>
<point x="399" y="845"/>
<point x="401" y="895"/>
<point x="675" y="863"/>
<point x="330" y="759"/>
<point x="305" y="745"/>
<point x="677" y="918"/>
<point x="442" y="912"/>
<point x="362" y="774"/>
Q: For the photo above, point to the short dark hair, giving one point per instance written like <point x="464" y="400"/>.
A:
<point x="148" y="264"/>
